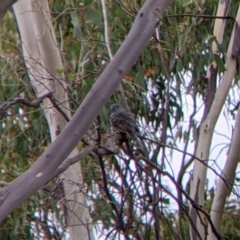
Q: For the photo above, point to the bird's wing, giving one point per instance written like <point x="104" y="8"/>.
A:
<point x="123" y="120"/>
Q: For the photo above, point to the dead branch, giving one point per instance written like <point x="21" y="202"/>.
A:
<point x="35" y="104"/>
<point x="14" y="101"/>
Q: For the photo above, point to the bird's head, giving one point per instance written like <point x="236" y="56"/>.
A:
<point x="114" y="108"/>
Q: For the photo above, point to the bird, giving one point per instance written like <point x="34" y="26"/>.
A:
<point x="123" y="120"/>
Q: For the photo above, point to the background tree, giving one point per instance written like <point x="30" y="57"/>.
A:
<point x="125" y="193"/>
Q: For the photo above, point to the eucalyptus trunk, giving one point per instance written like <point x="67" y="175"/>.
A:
<point x="43" y="61"/>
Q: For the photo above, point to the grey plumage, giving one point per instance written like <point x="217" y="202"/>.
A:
<point x="123" y="121"/>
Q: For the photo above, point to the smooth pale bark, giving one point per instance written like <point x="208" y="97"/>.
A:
<point x="42" y="170"/>
<point x="226" y="181"/>
<point x="204" y="143"/>
<point x="42" y="58"/>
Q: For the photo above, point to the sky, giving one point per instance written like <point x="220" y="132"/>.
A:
<point x="219" y="148"/>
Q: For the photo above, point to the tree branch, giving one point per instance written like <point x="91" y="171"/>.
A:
<point x="14" y="101"/>
<point x="34" y="104"/>
<point x="43" y="169"/>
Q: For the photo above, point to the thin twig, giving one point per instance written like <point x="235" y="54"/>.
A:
<point x="70" y="161"/>
<point x="109" y="50"/>
<point x="201" y="16"/>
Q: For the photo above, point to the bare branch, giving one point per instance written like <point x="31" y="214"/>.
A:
<point x="201" y="16"/>
<point x="34" y="104"/>
<point x="14" y="101"/>
<point x="71" y="161"/>
<point x="34" y="178"/>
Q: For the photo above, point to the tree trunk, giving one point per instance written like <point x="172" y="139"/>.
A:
<point x="226" y="181"/>
<point x="204" y="143"/>
<point x="42" y="59"/>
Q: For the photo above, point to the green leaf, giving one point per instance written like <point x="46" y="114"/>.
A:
<point x="77" y="30"/>
<point x="60" y="71"/>
<point x="71" y="77"/>
<point x="139" y="79"/>
<point x="220" y="63"/>
<point x="95" y="17"/>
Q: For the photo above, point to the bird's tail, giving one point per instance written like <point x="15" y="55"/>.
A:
<point x="140" y="144"/>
